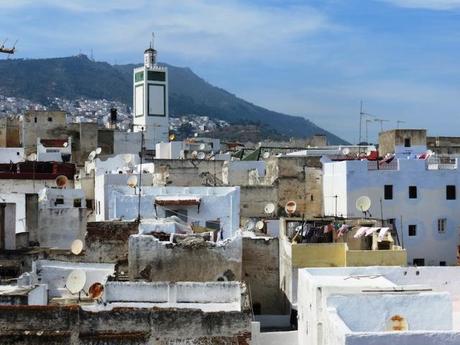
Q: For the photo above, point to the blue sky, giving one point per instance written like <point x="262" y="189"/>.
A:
<point x="315" y="58"/>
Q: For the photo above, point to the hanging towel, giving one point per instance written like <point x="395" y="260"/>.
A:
<point x="382" y="233"/>
<point x="361" y="231"/>
<point x="370" y="231"/>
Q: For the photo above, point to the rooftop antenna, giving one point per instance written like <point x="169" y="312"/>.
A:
<point x="363" y="204"/>
<point x="399" y="122"/>
<point x="381" y="123"/>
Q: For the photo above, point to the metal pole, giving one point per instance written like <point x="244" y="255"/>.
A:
<point x="141" y="154"/>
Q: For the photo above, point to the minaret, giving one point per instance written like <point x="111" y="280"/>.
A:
<point x="150" y="100"/>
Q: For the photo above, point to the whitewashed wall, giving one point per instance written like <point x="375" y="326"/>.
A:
<point x="351" y="179"/>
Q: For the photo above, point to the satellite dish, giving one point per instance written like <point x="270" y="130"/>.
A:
<point x="76" y="281"/>
<point x="291" y="207"/>
<point x="127" y="158"/>
<point x="195" y="135"/>
<point x="202" y="146"/>
<point x="98" y="151"/>
<point x="346" y="151"/>
<point x="194" y="154"/>
<point x="260" y="225"/>
<point x="92" y="155"/>
<point x="132" y="181"/>
<point x="95" y="291"/>
<point x="76" y="247"/>
<point x="65" y="144"/>
<point x="201" y="155"/>
<point x="249" y="226"/>
<point x="269" y="208"/>
<point x="172" y="136"/>
<point x="363" y="203"/>
<point x="61" y="181"/>
<point x="32" y="157"/>
<point x="266" y="155"/>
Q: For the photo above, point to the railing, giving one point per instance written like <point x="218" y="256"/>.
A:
<point x="379" y="165"/>
<point x="441" y="163"/>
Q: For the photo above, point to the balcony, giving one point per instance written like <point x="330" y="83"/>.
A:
<point x="441" y="163"/>
<point x="380" y="165"/>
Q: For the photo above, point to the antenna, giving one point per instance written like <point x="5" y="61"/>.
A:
<point x="95" y="291"/>
<point x="249" y="226"/>
<point x="363" y="204"/>
<point x="381" y="123"/>
<point x="346" y="151"/>
<point x="291" y="207"/>
<point x="399" y="122"/>
<point x="202" y="146"/>
<point x="76" y="247"/>
<point x="76" y="281"/>
<point x="260" y="225"/>
<point x="132" y="181"/>
<point x="61" y="181"/>
<point x="269" y="208"/>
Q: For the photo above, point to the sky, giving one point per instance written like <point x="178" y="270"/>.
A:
<point x="312" y="58"/>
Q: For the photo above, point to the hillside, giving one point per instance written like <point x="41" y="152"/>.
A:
<point x="78" y="76"/>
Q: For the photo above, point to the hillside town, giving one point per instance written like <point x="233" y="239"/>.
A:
<point x="114" y="231"/>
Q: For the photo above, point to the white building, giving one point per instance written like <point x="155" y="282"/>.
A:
<point x="61" y="217"/>
<point x="11" y="154"/>
<point x="150" y="101"/>
<point x="54" y="150"/>
<point x="210" y="207"/>
<point x="420" y="196"/>
<point x="379" y="305"/>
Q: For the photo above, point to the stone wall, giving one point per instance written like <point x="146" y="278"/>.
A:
<point x="108" y="242"/>
<point x="71" y="325"/>
<point x="261" y="274"/>
<point x="254" y="198"/>
<point x="192" y="260"/>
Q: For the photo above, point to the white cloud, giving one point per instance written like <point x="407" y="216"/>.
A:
<point x="203" y="29"/>
<point x="438" y="5"/>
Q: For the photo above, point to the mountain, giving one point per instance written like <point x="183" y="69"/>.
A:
<point x="78" y="76"/>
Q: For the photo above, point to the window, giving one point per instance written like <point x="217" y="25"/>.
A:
<point x="407" y="142"/>
<point x="311" y="197"/>
<point x="442" y="225"/>
<point x="442" y="263"/>
<point x="388" y="192"/>
<point x="89" y="204"/>
<point x="412" y="192"/>
<point x="412" y="230"/>
<point x="181" y="213"/>
<point x="213" y="224"/>
<point x="59" y="201"/>
<point x="419" y="262"/>
<point x="451" y="192"/>
<point x="77" y="203"/>
<point x="50" y="119"/>
<point x="35" y="119"/>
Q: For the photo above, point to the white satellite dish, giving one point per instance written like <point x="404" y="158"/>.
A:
<point x="194" y="154"/>
<point x="363" y="203"/>
<point x="202" y="146"/>
<point x="32" y="157"/>
<point x="65" y="144"/>
<point x="346" y="151"/>
<point x="132" y="181"/>
<point x="260" y="225"/>
<point x="76" y="247"/>
<point x="291" y="207"/>
<point x="201" y="155"/>
<point x="76" y="281"/>
<point x="249" y="226"/>
<point x="92" y="155"/>
<point x="269" y="208"/>
<point x="266" y="155"/>
<point x="98" y="151"/>
<point x="127" y="158"/>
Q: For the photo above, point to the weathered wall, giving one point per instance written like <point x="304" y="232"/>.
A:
<point x="254" y="198"/>
<point x="393" y="141"/>
<point x="86" y="143"/>
<point x="193" y="260"/>
<point x="74" y="326"/>
<point x="190" y="172"/>
<point x="108" y="242"/>
<point x="59" y="227"/>
<point x="261" y="273"/>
